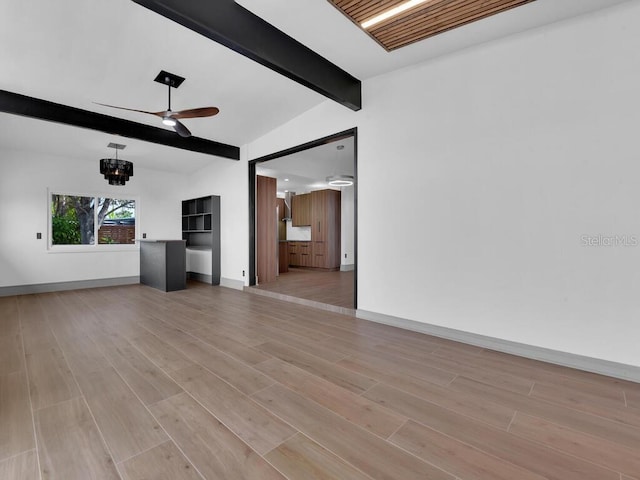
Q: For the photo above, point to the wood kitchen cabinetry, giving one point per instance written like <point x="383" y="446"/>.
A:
<point x="300" y="254"/>
<point x="325" y="229"/>
<point x="301" y="210"/>
<point x="320" y="210"/>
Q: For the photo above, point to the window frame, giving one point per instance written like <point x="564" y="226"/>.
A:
<point x="97" y="246"/>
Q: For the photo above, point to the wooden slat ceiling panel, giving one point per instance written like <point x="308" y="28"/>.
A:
<point x="423" y="21"/>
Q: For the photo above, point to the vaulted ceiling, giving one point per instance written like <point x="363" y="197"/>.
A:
<point x="79" y="52"/>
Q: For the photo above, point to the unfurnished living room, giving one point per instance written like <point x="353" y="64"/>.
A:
<point x="319" y="240"/>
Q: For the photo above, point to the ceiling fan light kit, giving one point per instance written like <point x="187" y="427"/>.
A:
<point x="115" y="170"/>
<point x="168" y="116"/>
<point x="169" y="121"/>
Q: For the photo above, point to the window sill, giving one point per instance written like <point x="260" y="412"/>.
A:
<point x="101" y="248"/>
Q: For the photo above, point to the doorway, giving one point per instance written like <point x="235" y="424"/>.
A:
<point x="304" y="171"/>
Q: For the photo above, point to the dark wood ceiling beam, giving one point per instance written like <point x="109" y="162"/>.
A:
<point x="235" y="27"/>
<point x="17" y="104"/>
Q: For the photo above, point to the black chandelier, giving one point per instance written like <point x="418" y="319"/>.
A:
<point x="116" y="171"/>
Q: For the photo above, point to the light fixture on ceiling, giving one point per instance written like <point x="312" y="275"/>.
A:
<point x="286" y="179"/>
<point x="340" y="180"/>
<point x="392" y="12"/>
<point x="169" y="121"/>
<point x="116" y="171"/>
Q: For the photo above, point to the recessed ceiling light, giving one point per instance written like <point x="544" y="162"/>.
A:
<point x="403" y="7"/>
<point x="286" y="179"/>
<point x="286" y="191"/>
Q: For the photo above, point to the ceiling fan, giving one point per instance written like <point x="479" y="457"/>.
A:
<point x="169" y="117"/>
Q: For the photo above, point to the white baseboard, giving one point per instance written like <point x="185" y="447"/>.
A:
<point x="347" y="268"/>
<point x="589" y="364"/>
<point x="61" y="286"/>
<point x="231" y="283"/>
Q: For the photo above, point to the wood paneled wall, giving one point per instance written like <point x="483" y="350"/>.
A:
<point x="266" y="229"/>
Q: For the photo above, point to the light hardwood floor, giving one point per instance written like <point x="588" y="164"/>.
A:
<point x="131" y="383"/>
<point x="331" y="288"/>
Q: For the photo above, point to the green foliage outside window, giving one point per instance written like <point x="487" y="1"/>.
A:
<point x="65" y="229"/>
<point x="79" y="220"/>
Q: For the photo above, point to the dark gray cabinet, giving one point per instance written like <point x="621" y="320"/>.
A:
<point x="201" y="232"/>
<point x="162" y="264"/>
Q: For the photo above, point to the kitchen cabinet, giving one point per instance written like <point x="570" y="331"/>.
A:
<point x="325" y="229"/>
<point x="300" y="254"/>
<point x="305" y="254"/>
<point x="323" y="251"/>
<point x="283" y="256"/>
<point x="162" y="264"/>
<point x="301" y="210"/>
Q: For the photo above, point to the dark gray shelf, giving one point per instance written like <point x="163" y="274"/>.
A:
<point x="201" y="230"/>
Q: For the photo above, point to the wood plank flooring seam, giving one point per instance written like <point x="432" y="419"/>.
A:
<point x="398" y="429"/>
<point x="328" y="450"/>
<point x="33" y="420"/>
<point x="587" y="409"/>
<point x="587" y="461"/>
<point x="263" y="388"/>
<point x="328" y="447"/>
<point x="490" y="454"/>
<point x="296" y="431"/>
<point x="566" y="406"/>
<point x="511" y="422"/>
<point x="624" y="396"/>
<point x="102" y="437"/>
<point x="538" y="367"/>
<point x="145" y="450"/>
<point x="170" y="439"/>
<point x="452" y="380"/>
<point x="169" y="442"/>
<point x="209" y="411"/>
<point x="17" y="454"/>
<point x="565" y="452"/>
<point x="366" y="390"/>
<point x="93" y="418"/>
<point x="328" y="341"/>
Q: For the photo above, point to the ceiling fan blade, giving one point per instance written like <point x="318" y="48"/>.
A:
<point x="181" y="129"/>
<point x="196" y="112"/>
<point x="158" y="114"/>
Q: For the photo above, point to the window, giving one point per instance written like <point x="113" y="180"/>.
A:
<point x="84" y="220"/>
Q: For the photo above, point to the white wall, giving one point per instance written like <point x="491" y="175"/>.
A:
<point x="24" y="185"/>
<point x="506" y="155"/>
<point x="228" y="179"/>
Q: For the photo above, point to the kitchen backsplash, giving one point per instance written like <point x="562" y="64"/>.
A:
<point x="298" y="233"/>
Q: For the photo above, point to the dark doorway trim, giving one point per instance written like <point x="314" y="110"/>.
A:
<point x="235" y="27"/>
<point x="353" y="132"/>
<point x="17" y="104"/>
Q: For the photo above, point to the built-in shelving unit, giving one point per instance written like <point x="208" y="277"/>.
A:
<point x="201" y="230"/>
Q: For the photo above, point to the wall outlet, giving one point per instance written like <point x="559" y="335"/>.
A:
<point x="39" y="236"/>
<point x="144" y="235"/>
<point x="345" y="255"/>
<point x="243" y="273"/>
